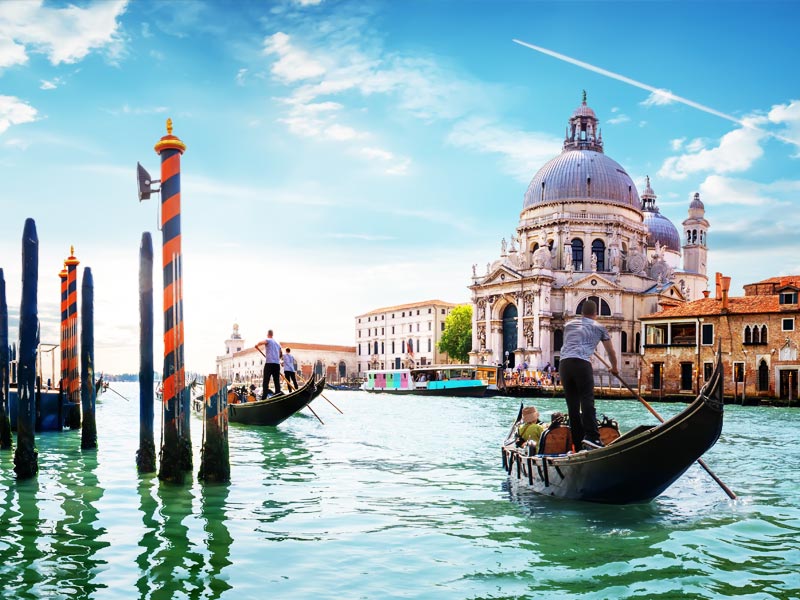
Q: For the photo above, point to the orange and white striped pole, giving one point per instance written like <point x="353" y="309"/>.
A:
<point x="74" y="383"/>
<point x="176" y="451"/>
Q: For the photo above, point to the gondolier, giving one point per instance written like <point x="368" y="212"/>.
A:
<point x="272" y="365"/>
<point x="581" y="337"/>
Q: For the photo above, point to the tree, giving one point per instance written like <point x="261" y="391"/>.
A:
<point x="457" y="335"/>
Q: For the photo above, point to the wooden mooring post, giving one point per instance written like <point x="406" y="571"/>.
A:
<point x="146" y="455"/>
<point x="5" y="422"/>
<point x="26" y="457"/>
<point x="88" y="390"/>
<point x="214" y="457"/>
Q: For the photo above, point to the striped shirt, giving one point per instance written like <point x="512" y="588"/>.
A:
<point x="581" y="337"/>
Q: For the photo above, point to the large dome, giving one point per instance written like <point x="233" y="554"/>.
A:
<point x="582" y="172"/>
<point x="581" y="175"/>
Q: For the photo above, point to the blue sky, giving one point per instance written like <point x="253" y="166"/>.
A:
<point x="344" y="156"/>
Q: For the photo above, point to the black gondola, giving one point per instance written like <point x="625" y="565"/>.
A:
<point x="275" y="410"/>
<point x="635" y="467"/>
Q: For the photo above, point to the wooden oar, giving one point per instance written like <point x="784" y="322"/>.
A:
<point x="117" y="393"/>
<point x="328" y="401"/>
<point x="700" y="461"/>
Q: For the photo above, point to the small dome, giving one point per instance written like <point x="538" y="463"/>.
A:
<point x="660" y="229"/>
<point x="696" y="202"/>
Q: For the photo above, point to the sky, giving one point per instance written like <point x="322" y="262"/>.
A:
<point x="344" y="156"/>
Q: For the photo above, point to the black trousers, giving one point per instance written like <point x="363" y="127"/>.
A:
<point x="290" y="376"/>
<point x="577" y="378"/>
<point x="271" y="370"/>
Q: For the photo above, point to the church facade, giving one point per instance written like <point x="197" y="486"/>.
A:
<point x="584" y="232"/>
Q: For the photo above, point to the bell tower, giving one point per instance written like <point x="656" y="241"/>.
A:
<point x="695" y="232"/>
<point x="235" y="343"/>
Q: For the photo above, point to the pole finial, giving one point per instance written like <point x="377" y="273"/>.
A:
<point x="72" y="250"/>
<point x="169" y="125"/>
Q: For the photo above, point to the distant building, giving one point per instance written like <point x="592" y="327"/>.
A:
<point x="760" y="335"/>
<point x="584" y="232"/>
<point x="244" y="363"/>
<point x="402" y="335"/>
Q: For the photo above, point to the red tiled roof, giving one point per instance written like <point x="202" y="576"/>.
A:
<point x="411" y="305"/>
<point x="321" y="347"/>
<point x="782" y="280"/>
<point x="711" y="306"/>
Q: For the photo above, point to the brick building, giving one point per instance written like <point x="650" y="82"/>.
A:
<point x="759" y="336"/>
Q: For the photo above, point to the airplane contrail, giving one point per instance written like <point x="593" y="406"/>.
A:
<point x="661" y="92"/>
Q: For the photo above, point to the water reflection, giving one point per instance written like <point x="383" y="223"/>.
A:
<point x="213" y="508"/>
<point x="20" y="552"/>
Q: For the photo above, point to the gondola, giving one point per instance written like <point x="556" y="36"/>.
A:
<point x="634" y="467"/>
<point x="277" y="409"/>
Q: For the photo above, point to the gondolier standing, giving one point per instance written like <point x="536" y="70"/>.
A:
<point x="272" y="365"/>
<point x="289" y="369"/>
<point x="581" y="337"/>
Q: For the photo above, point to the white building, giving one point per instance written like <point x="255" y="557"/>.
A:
<point x="401" y="336"/>
<point x="245" y="363"/>
<point x="584" y="232"/>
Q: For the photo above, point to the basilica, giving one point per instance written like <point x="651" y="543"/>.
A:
<point x="585" y="232"/>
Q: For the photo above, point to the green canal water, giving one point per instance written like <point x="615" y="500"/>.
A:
<point x="397" y="498"/>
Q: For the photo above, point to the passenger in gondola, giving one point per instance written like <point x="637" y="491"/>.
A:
<point x="530" y="428"/>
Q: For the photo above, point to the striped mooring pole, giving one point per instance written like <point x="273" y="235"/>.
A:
<point x="5" y="423"/>
<point x="146" y="455"/>
<point x="88" y="390"/>
<point x="73" y="378"/>
<point x="214" y="457"/>
<point x="176" y="448"/>
<point x="26" y="457"/>
<point x="63" y="385"/>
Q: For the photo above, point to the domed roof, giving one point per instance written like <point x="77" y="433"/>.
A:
<point x="582" y="172"/>
<point x="581" y="175"/>
<point x="659" y="228"/>
<point x="696" y="202"/>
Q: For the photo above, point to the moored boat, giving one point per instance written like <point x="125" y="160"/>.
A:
<point x="275" y="409"/>
<point x="431" y="380"/>
<point x="635" y="467"/>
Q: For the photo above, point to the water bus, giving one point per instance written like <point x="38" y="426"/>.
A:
<point x="429" y="380"/>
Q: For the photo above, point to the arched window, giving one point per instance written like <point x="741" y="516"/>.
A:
<point x="603" y="309"/>
<point x="747" y="335"/>
<point x="694" y="236"/>
<point x="318" y="368"/>
<point x="558" y="340"/>
<point x="599" y="251"/>
<point x="763" y="334"/>
<point x="623" y="341"/>
<point x="577" y="254"/>
<point x="688" y="236"/>
<point x="763" y="376"/>
<point x="756" y="334"/>
<point x="638" y="342"/>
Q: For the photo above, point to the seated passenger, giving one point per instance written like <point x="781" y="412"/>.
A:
<point x="530" y="429"/>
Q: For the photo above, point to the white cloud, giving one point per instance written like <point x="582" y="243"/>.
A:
<point x="293" y="64"/>
<point x="377" y="153"/>
<point x="308" y="2"/>
<point x="737" y="151"/>
<point x="717" y="190"/>
<point x="659" y="98"/>
<point x="677" y="144"/>
<point x="522" y="152"/>
<point x="50" y="85"/>
<point x="240" y="76"/>
<point x="65" y="35"/>
<point x="788" y="115"/>
<point x="14" y="111"/>
<point x="696" y="145"/>
<point x="367" y="237"/>
<point x="618" y="119"/>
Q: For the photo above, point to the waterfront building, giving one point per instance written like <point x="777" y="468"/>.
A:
<point x="584" y="233"/>
<point x="759" y="333"/>
<point x="402" y="336"/>
<point x="244" y="363"/>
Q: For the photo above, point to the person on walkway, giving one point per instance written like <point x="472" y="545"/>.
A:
<point x="272" y="365"/>
<point x="581" y="336"/>
<point x="289" y="369"/>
